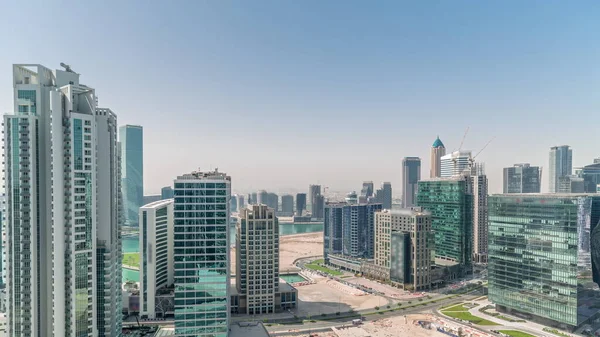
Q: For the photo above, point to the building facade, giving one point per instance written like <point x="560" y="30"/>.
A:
<point x="300" y="203"/>
<point x="404" y="246"/>
<point x="522" y="178"/>
<point x="561" y="164"/>
<point x="383" y="195"/>
<point x="479" y="190"/>
<point x="63" y="208"/>
<point x="287" y="204"/>
<point x="201" y="254"/>
<point x="241" y="202"/>
<point x="543" y="257"/>
<point x="316" y="201"/>
<point x="156" y="256"/>
<point x="411" y="174"/>
<point x="332" y="229"/>
<point x="166" y="193"/>
<point x="451" y="205"/>
<point x="571" y="184"/>
<point x="273" y="201"/>
<point x="437" y="152"/>
<point x="132" y="171"/>
<point x="455" y="163"/>
<point x="257" y="255"/>
<point x="591" y="176"/>
<point x="366" y="192"/>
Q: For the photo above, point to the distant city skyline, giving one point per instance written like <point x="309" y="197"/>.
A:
<point x="372" y="83"/>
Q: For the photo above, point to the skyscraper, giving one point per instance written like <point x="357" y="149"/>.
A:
<point x="273" y="201"/>
<point x="522" y="178"/>
<point x="287" y="204"/>
<point x="156" y="255"/>
<point x="544" y="257"/>
<point x="455" y="163"/>
<point x="63" y="208"/>
<point x="300" y="203"/>
<point x="561" y="164"/>
<point x="571" y="184"/>
<point x="479" y="189"/>
<point x="233" y="206"/>
<point x="201" y="223"/>
<point x="316" y="201"/>
<point x="349" y="228"/>
<point x="411" y="174"/>
<point x="367" y="191"/>
<point x="437" y="152"/>
<point x="262" y="197"/>
<point x="132" y="171"/>
<point x="166" y="193"/>
<point x="591" y="176"/>
<point x="241" y="203"/>
<point x="257" y="258"/>
<point x="383" y="195"/>
<point x="451" y="205"/>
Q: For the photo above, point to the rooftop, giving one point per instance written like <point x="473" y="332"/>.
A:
<point x="247" y="329"/>
<point x="414" y="211"/>
<point x="159" y="203"/>
<point x="438" y="143"/>
<point x="210" y="175"/>
<point x="548" y="195"/>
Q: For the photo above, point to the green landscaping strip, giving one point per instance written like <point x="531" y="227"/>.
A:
<point x="458" y="307"/>
<point x="467" y="316"/>
<point x="323" y="269"/>
<point x="516" y="333"/>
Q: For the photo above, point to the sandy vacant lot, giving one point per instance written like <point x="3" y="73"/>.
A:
<point x="400" y="326"/>
<point x="292" y="247"/>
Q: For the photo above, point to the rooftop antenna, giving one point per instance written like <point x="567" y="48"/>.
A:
<point x="67" y="67"/>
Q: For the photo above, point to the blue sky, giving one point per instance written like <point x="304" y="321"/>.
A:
<point x="281" y="94"/>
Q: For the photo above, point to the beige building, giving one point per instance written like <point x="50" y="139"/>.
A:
<point x="404" y="246"/>
<point x="437" y="151"/>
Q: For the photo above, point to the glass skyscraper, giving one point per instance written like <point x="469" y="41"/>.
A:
<point x="561" y="164"/>
<point x="522" y="178"/>
<point x="411" y="174"/>
<point x="451" y="205"/>
<point x="544" y="251"/>
<point x="201" y="226"/>
<point x="132" y="171"/>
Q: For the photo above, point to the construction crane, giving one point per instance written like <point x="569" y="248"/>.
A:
<point x="472" y="159"/>
<point x="463" y="138"/>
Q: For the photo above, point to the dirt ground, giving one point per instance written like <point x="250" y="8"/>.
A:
<point x="292" y="247"/>
<point x="399" y="326"/>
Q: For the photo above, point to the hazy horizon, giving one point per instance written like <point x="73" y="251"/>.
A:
<point x="281" y="95"/>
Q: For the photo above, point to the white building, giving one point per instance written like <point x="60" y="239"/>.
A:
<point x="156" y="255"/>
<point x="63" y="200"/>
<point x="561" y="165"/>
<point x="257" y="255"/>
<point x="455" y="163"/>
<point x="201" y="241"/>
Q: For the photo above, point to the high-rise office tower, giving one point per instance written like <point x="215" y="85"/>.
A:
<point x="262" y="197"/>
<point x="316" y="201"/>
<point x="544" y="257"/>
<point x="383" y="195"/>
<point x="479" y="190"/>
<point x="350" y="233"/>
<point x="253" y="198"/>
<point x="522" y="178"/>
<point x="132" y="171"/>
<point x="257" y="258"/>
<point x="166" y="193"/>
<point x="455" y="163"/>
<point x="411" y="174"/>
<point x="233" y="206"/>
<point x="241" y="203"/>
<point x="201" y="223"/>
<point x="273" y="201"/>
<point x="300" y="203"/>
<point x="437" y="152"/>
<point x="156" y="256"/>
<point x="561" y="164"/>
<point x="403" y="246"/>
<point x="367" y="189"/>
<point x="63" y="218"/>
<point x="287" y="204"/>
<point x="451" y="205"/>
<point x="591" y="176"/>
